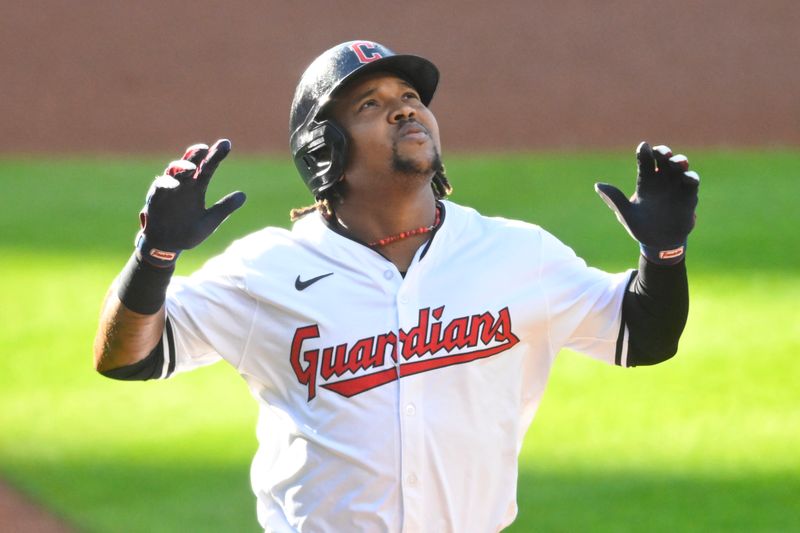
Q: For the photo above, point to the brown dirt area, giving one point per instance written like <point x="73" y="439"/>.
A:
<point x="149" y="76"/>
<point x="18" y="514"/>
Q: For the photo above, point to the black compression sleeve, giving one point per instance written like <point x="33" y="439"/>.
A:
<point x="143" y="287"/>
<point x="148" y="368"/>
<point x="654" y="309"/>
<point x="153" y="366"/>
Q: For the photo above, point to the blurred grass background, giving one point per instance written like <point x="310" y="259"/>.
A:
<point x="709" y="441"/>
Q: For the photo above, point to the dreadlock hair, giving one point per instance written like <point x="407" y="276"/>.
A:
<point x="441" y="185"/>
<point x="324" y="204"/>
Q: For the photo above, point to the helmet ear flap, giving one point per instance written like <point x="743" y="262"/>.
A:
<point x="322" y="158"/>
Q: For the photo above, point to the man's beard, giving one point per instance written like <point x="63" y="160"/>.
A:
<point x="411" y="167"/>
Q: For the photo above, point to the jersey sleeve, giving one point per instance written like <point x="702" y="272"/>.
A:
<point x="584" y="304"/>
<point x="209" y="317"/>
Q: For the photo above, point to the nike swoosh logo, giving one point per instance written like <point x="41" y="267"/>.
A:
<point x="303" y="285"/>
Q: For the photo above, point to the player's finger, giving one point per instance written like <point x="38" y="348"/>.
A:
<point x="180" y="169"/>
<point x="662" y="151"/>
<point x="617" y="201"/>
<point x="159" y="184"/>
<point x="680" y="161"/>
<point x="645" y="160"/>
<point x="662" y="154"/>
<point x="221" y="210"/>
<point x="674" y="167"/>
<point x="613" y="197"/>
<point x="215" y="155"/>
<point x="196" y="153"/>
<point x="159" y="189"/>
<point x="691" y="178"/>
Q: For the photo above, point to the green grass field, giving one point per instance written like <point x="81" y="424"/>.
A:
<point x="709" y="441"/>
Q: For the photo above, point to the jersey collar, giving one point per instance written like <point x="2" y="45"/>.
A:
<point x="333" y="225"/>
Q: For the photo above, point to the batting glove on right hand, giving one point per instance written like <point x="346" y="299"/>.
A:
<point x="174" y="217"/>
<point x="660" y="214"/>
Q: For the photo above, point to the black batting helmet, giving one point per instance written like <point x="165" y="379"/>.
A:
<point x="319" y="146"/>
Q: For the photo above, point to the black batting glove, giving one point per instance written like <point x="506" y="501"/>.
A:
<point x="174" y="217"/>
<point x="660" y="214"/>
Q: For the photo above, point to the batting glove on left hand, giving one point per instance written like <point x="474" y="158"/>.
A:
<point x="660" y="214"/>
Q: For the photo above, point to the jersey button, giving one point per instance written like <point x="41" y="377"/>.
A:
<point x="403" y="299"/>
<point x="411" y="410"/>
<point x="412" y="479"/>
<point x="388" y="274"/>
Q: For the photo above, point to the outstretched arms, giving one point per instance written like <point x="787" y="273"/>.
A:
<point x="174" y="218"/>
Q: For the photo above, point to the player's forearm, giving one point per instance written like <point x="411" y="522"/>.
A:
<point x="124" y="337"/>
<point x="655" y="309"/>
<point x="132" y="320"/>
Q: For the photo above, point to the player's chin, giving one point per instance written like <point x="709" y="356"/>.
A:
<point x="423" y="163"/>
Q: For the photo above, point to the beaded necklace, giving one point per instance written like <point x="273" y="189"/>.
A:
<point x="410" y="233"/>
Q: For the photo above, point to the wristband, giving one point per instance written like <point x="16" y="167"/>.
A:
<point x="660" y="256"/>
<point x="157" y="257"/>
<point x="142" y="287"/>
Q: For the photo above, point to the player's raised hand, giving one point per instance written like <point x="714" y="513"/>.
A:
<point x="174" y="217"/>
<point x="660" y="214"/>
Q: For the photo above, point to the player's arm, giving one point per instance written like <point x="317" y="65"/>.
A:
<point x="130" y="337"/>
<point x="659" y="215"/>
<point x="126" y="339"/>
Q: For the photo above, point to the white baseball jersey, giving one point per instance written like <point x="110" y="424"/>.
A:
<point x="391" y="403"/>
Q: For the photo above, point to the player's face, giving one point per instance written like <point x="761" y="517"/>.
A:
<point x="390" y="130"/>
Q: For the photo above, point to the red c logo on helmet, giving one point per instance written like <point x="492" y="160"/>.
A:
<point x="365" y="51"/>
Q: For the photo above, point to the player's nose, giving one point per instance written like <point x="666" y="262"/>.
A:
<point x="402" y="111"/>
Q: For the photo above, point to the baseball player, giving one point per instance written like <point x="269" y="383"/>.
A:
<point x="397" y="343"/>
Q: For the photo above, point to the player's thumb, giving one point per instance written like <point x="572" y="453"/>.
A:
<point x="221" y="210"/>
<point x="615" y="199"/>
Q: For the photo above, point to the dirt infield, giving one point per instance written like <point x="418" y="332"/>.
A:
<point x="154" y="76"/>
<point x="20" y="515"/>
